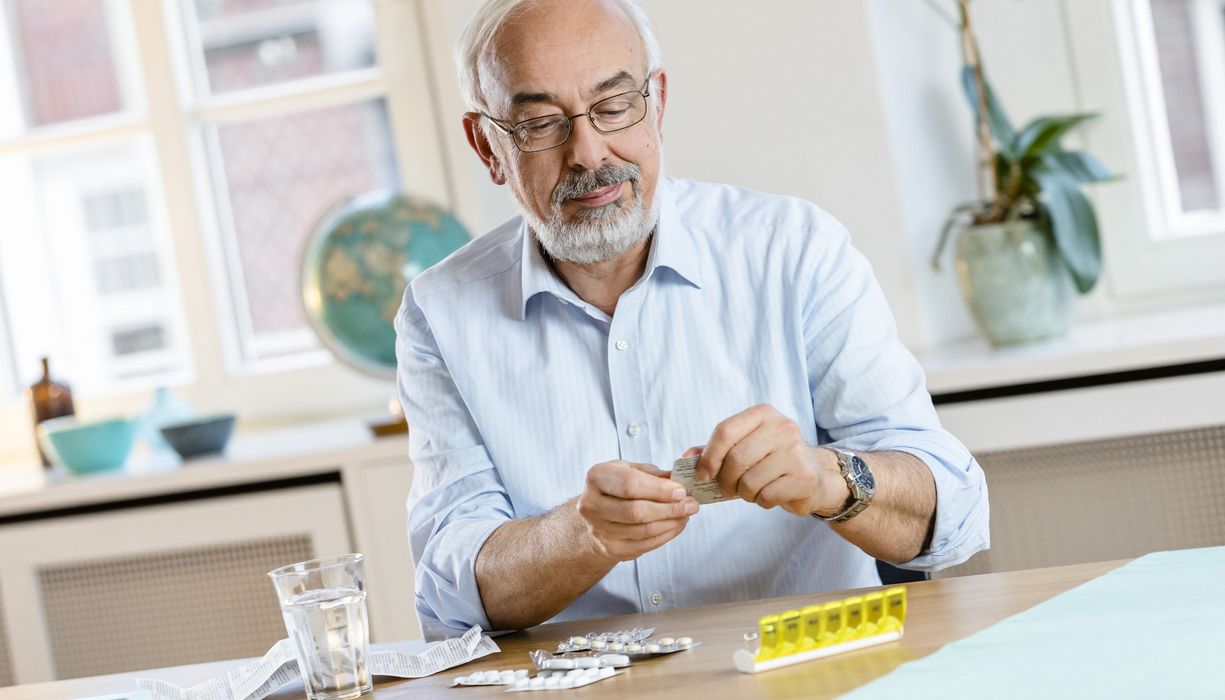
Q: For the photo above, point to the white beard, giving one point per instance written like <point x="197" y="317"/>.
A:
<point x="600" y="234"/>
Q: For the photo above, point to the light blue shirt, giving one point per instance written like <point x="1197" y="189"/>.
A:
<point x="514" y="387"/>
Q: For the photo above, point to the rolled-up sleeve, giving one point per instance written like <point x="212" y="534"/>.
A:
<point x="870" y="394"/>
<point x="457" y="499"/>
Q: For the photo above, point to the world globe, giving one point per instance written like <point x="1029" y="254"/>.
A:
<point x="357" y="262"/>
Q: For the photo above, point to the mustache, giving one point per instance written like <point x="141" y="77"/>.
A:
<point x="580" y="183"/>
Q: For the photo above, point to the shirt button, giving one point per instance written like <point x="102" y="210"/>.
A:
<point x="657" y="598"/>
<point x="633" y="430"/>
<point x="622" y="345"/>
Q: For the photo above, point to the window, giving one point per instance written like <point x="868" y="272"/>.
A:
<point x="162" y="164"/>
<point x="1158" y="80"/>
<point x="1180" y="53"/>
<point x="86" y="256"/>
<point x="275" y="172"/>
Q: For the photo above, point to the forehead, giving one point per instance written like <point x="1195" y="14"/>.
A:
<point x="564" y="49"/>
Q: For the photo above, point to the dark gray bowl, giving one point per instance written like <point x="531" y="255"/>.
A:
<point x="200" y="436"/>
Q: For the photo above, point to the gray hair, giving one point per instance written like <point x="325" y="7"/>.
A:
<point x="484" y="25"/>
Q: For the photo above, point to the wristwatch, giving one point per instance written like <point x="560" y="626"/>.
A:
<point x="858" y="479"/>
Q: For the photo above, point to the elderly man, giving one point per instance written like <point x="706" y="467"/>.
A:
<point x="554" y="368"/>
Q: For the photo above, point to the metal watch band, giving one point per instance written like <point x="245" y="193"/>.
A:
<point x="861" y="493"/>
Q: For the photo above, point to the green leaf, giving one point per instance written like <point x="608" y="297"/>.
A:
<point x="1078" y="165"/>
<point x="1074" y="226"/>
<point x="1001" y="128"/>
<point x="1043" y="134"/>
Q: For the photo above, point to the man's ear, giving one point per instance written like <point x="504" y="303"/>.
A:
<point x="484" y="149"/>
<point x="660" y="88"/>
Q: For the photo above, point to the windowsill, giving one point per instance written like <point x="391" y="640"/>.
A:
<point x="1094" y="348"/>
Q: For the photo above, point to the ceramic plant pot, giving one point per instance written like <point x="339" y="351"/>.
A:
<point x="1012" y="278"/>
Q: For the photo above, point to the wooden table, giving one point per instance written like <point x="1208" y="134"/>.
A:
<point x="939" y="612"/>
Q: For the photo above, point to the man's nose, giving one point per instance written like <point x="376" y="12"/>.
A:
<point x="587" y="147"/>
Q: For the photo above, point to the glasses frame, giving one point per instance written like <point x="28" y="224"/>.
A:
<point x="510" y="130"/>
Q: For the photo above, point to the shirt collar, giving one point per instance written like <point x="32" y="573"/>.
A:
<point x="671" y="248"/>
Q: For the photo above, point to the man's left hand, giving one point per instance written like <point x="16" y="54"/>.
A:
<point x="760" y="455"/>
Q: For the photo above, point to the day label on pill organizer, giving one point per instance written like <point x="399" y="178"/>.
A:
<point x="684" y="472"/>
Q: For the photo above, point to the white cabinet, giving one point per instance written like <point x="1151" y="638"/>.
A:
<point x="168" y="566"/>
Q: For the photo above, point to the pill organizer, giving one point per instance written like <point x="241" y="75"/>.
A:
<point x="562" y="680"/>
<point x="817" y="631"/>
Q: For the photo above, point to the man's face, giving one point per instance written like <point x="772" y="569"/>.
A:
<point x="594" y="196"/>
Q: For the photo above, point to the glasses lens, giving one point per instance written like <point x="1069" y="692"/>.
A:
<point x="542" y="132"/>
<point x="619" y="111"/>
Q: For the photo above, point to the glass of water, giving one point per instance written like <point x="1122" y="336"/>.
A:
<point x="324" y="604"/>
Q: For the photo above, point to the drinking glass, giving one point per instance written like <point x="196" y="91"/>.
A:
<point x="324" y="605"/>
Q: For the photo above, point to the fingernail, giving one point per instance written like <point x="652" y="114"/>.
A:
<point x="691" y="508"/>
<point x="678" y="494"/>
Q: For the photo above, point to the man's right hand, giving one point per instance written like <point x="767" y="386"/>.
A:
<point x="631" y="508"/>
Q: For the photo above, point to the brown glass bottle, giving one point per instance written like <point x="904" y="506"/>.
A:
<point x="49" y="399"/>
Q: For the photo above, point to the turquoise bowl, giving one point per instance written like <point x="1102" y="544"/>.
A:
<point x="89" y="447"/>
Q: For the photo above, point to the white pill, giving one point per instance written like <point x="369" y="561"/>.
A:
<point x="591" y="673"/>
<point x="666" y="641"/>
<point x="536" y="683"/>
<point x="684" y="642"/>
<point x="552" y="682"/>
<point x="521" y="674"/>
<point x="597" y="644"/>
<point x="506" y="677"/>
<point x="633" y="648"/>
<point x="522" y="684"/>
<point x="653" y="648"/>
<point x="578" y="641"/>
<point x="562" y="664"/>
<point x="567" y="682"/>
<point x="461" y="679"/>
<point x="607" y="673"/>
<point x="586" y="662"/>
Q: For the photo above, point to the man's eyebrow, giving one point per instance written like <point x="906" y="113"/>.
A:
<point x="621" y="79"/>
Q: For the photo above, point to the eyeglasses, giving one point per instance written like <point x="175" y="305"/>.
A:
<point x="608" y="115"/>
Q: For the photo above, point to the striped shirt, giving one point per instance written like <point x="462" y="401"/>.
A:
<point x="514" y="387"/>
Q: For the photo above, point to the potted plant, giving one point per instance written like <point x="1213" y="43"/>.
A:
<point x="1031" y="236"/>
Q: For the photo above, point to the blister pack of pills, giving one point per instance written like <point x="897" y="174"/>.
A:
<point x="492" y="677"/>
<point x="546" y="660"/>
<point x="563" y="680"/>
<point x="605" y="641"/>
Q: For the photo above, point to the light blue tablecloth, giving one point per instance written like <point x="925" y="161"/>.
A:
<point x="1153" y="628"/>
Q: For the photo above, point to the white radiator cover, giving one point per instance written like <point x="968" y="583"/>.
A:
<point x="1103" y="500"/>
<point x="166" y="608"/>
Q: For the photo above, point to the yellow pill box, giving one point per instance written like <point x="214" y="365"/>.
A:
<point x="817" y="631"/>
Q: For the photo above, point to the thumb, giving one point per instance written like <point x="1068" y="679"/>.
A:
<point x="693" y="451"/>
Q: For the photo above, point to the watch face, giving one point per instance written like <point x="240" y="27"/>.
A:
<point x="862" y="475"/>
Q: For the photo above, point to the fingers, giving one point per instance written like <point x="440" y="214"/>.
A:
<point x="693" y="452"/>
<point x="598" y="506"/>
<point x="745" y="456"/>
<point x="633" y="482"/>
<point x="625" y="550"/>
<point x="640" y="531"/>
<point x="727" y="434"/>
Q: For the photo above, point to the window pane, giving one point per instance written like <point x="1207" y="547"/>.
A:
<point x="250" y="43"/>
<point x="281" y="175"/>
<point x="71" y="59"/>
<point x="1191" y="79"/>
<point x="87" y="269"/>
